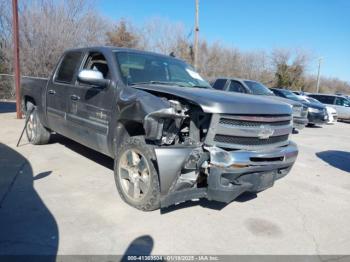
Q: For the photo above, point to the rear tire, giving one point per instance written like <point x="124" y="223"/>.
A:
<point x="135" y="175"/>
<point x="36" y="133"/>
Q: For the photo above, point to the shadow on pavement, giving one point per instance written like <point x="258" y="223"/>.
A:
<point x="91" y="154"/>
<point x="201" y="202"/>
<point x="7" y="107"/>
<point x="337" y="159"/>
<point x="313" y="126"/>
<point x="26" y="225"/>
<point x="141" y="246"/>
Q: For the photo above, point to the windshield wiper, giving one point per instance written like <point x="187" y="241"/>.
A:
<point x="207" y="87"/>
<point x="157" y="83"/>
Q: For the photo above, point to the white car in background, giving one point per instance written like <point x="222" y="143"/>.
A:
<point x="332" y="113"/>
<point x="339" y="103"/>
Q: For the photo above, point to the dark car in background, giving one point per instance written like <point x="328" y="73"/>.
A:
<point x="317" y="113"/>
<point x="256" y="88"/>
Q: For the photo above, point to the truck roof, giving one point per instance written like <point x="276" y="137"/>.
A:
<point x="115" y="49"/>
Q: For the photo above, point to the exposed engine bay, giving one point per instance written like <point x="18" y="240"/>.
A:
<point x="180" y="124"/>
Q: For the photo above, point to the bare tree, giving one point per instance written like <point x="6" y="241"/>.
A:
<point x="123" y="35"/>
<point x="47" y="27"/>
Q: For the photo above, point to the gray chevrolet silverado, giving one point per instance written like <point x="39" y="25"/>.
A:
<point x="172" y="137"/>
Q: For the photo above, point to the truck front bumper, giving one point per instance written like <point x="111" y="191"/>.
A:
<point x="230" y="173"/>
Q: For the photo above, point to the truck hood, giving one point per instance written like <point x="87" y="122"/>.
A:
<point x="221" y="102"/>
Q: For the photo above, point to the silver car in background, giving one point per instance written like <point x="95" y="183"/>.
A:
<point x="339" y="103"/>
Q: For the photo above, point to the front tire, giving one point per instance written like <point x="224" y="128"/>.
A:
<point x="36" y="133"/>
<point x="135" y="175"/>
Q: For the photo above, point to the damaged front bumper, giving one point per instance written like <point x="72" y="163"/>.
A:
<point x="228" y="173"/>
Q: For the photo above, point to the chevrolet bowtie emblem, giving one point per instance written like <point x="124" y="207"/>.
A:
<point x="101" y="115"/>
<point x="265" y="132"/>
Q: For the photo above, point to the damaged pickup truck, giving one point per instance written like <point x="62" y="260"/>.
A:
<point x="172" y="137"/>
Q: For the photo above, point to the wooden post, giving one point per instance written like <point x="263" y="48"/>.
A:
<point x="17" y="76"/>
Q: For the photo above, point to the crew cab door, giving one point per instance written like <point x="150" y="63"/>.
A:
<point x="58" y="91"/>
<point x="90" y="106"/>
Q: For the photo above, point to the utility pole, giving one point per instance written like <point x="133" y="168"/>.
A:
<point x="15" y="34"/>
<point x="196" y="32"/>
<point x="318" y="75"/>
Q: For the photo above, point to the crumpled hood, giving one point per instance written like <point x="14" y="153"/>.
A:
<point x="221" y="102"/>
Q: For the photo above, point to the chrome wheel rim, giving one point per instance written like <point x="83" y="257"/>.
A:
<point x="31" y="127"/>
<point x="134" y="174"/>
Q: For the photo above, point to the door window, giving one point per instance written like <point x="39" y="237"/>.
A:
<point x="220" y="84"/>
<point x="97" y="62"/>
<point x="236" y="86"/>
<point x="69" y="65"/>
<point x="340" y="101"/>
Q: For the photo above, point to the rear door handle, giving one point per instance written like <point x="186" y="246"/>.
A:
<point x="74" y="97"/>
<point x="52" y="92"/>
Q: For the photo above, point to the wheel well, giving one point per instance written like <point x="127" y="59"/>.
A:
<point x="28" y="99"/>
<point x="134" y="128"/>
<point x="124" y="130"/>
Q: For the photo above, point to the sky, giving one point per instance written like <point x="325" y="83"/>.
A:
<point x="321" y="27"/>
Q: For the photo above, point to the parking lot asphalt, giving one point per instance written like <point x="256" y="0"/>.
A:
<point x="61" y="198"/>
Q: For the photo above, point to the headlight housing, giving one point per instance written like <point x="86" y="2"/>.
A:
<point x="297" y="110"/>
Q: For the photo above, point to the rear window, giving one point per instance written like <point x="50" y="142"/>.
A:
<point x="67" y="68"/>
<point x="220" y="84"/>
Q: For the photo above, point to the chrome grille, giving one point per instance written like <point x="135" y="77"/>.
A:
<point x="249" y="132"/>
<point x="249" y="141"/>
<point x="234" y="122"/>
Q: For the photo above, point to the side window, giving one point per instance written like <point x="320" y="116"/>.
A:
<point x="342" y="102"/>
<point x="220" y="84"/>
<point x="97" y="62"/>
<point x="67" y="68"/>
<point x="236" y="87"/>
<point x="346" y="103"/>
<point x="329" y="100"/>
<point x="277" y="92"/>
<point x="339" y="101"/>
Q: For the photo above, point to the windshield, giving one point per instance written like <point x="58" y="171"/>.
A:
<point x="138" y="68"/>
<point x="290" y="95"/>
<point x="258" y="89"/>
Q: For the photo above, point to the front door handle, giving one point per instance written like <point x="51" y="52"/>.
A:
<point x="74" y="97"/>
<point x="52" y="92"/>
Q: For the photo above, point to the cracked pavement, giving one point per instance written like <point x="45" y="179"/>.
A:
<point x="61" y="199"/>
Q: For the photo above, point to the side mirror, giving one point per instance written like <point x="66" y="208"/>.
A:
<point x="92" y="77"/>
